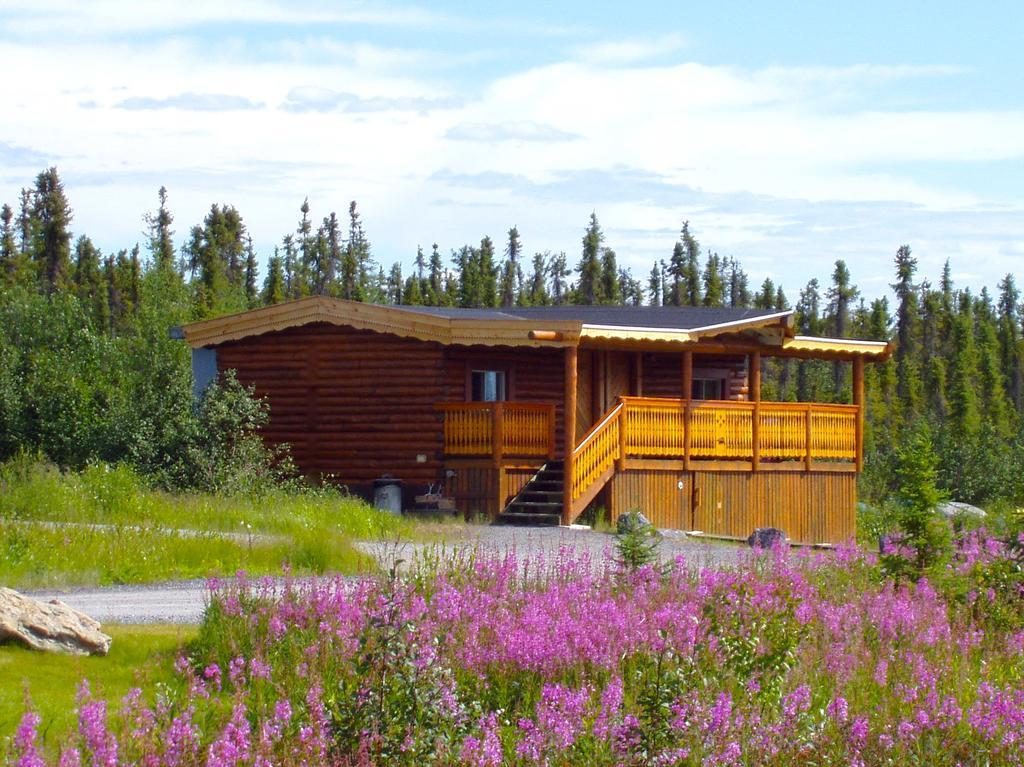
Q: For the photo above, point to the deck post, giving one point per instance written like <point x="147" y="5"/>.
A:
<point x="858" y="400"/>
<point x="687" y="394"/>
<point x="497" y="431"/>
<point x="807" y="452"/>
<point x="569" y="417"/>
<point x="754" y="385"/>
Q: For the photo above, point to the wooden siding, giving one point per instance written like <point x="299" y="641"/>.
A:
<point x="810" y="508"/>
<point x="351" y="403"/>
<point x="656" y="493"/>
<point x="662" y="374"/>
<point x="475" y="490"/>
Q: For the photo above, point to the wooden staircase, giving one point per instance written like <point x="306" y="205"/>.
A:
<point x="539" y="503"/>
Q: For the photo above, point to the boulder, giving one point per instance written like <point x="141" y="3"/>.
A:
<point x="953" y="509"/>
<point x="631" y="522"/>
<point x="766" y="538"/>
<point x="49" y="626"/>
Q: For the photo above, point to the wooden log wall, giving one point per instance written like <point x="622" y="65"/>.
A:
<point x="662" y="374"/>
<point x="357" y="404"/>
<point x="816" y="507"/>
<point x="354" y="404"/>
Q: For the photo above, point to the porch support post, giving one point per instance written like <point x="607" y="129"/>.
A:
<point x="687" y="375"/>
<point x="569" y="418"/>
<point x="498" y="432"/>
<point x="754" y="387"/>
<point x="858" y="400"/>
<point x="687" y="394"/>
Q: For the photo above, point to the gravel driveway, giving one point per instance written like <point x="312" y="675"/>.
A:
<point x="184" y="601"/>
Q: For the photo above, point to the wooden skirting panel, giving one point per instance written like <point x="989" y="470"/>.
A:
<point x="655" y="493"/>
<point x="481" y="489"/>
<point x="810" y="507"/>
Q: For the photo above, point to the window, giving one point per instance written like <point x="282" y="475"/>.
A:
<point x="488" y="386"/>
<point x="708" y="388"/>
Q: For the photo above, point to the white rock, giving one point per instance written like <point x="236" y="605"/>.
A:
<point x="951" y="509"/>
<point x="49" y="626"/>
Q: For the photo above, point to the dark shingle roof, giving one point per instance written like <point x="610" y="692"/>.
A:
<point x="664" y="317"/>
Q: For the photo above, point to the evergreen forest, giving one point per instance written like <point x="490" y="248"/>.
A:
<point x="89" y="373"/>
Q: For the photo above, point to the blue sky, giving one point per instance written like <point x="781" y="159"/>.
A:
<point x="789" y="134"/>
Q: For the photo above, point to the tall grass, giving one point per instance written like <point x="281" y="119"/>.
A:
<point x="106" y="525"/>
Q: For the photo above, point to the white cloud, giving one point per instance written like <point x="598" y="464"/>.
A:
<point x="765" y="163"/>
<point x="630" y="50"/>
<point x="195" y="102"/>
<point x="511" y="131"/>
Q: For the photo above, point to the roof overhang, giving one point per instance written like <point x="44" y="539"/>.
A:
<point x="381" y="319"/>
<point x="771" y="334"/>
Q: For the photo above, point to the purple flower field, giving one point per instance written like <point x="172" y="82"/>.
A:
<point x="812" y="658"/>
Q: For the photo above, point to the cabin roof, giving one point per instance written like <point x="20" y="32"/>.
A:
<point x="664" y="317"/>
<point x="638" y="328"/>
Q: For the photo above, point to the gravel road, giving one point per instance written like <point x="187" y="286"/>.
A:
<point x="184" y="601"/>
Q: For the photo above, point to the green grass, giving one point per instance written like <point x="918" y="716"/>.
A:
<point x="309" y="531"/>
<point x="138" y="654"/>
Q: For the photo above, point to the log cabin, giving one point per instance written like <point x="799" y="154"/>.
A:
<point x="531" y="415"/>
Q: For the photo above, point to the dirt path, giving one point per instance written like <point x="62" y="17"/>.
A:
<point x="184" y="601"/>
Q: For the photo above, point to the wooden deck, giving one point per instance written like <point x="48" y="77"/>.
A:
<point x="661" y="438"/>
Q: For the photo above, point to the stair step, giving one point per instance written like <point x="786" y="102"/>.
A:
<point x="546" y="506"/>
<point x="508" y="518"/>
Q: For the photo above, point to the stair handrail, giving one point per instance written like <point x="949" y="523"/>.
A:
<point x="610" y="418"/>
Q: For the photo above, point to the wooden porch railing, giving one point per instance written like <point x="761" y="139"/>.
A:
<point x="701" y="430"/>
<point x="498" y="429"/>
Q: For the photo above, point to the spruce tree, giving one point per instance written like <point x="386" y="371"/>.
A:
<point x="632" y="290"/>
<point x="89" y="285"/>
<point x="739" y="285"/>
<point x="1009" y="319"/>
<point x="330" y="259"/>
<point x="511" y="272"/>
<point x="714" y="287"/>
<point x="840" y="295"/>
<point x="995" y="404"/>
<point x="161" y="237"/>
<point x="691" y="274"/>
<point x="611" y="288"/>
<point x="292" y="288"/>
<point x="963" y="400"/>
<point x="358" y="259"/>
<point x="274" y="286"/>
<point x="251" y="275"/>
<point x="561" y="290"/>
<point x="654" y="286"/>
<point x="908" y="382"/>
<point x="51" y="237"/>
<point x="304" y="256"/>
<point x="8" y="246"/>
<point x="394" y="290"/>
<point x="467" y="268"/>
<point x="436" y="279"/>
<point x="487" y="274"/>
<point x="676" y="273"/>
<point x="765" y="298"/>
<point x="537" y="293"/>
<point x="588" y="286"/>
